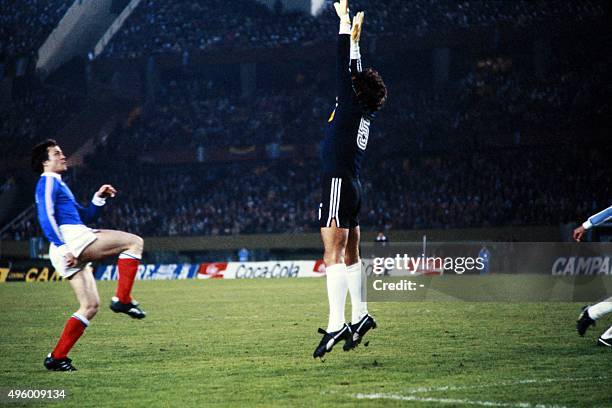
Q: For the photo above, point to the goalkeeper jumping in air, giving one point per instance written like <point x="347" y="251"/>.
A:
<point x="359" y="95"/>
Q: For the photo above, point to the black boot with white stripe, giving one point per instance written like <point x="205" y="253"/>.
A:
<point x="359" y="330"/>
<point x="131" y="309"/>
<point x="584" y="321"/>
<point x="329" y="340"/>
<point x="606" y="338"/>
<point x="59" y="364"/>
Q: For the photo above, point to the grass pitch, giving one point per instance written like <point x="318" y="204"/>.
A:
<point x="250" y="343"/>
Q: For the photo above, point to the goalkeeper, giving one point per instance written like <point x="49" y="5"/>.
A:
<point x="360" y="93"/>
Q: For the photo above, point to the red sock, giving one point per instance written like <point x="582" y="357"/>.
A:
<point x="127" y="273"/>
<point x="72" y="331"/>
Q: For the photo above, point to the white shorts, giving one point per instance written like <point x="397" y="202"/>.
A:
<point x="77" y="238"/>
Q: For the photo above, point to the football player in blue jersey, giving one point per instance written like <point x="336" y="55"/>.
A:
<point x="73" y="246"/>
<point x="590" y="314"/>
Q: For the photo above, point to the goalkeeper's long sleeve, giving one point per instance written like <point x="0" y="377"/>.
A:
<point x="598" y="218"/>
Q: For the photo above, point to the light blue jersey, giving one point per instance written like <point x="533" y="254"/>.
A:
<point x="598" y="218"/>
<point x="57" y="206"/>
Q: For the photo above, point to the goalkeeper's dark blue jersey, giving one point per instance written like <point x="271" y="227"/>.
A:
<point x="348" y="128"/>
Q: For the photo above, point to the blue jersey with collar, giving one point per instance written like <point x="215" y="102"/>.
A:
<point x="57" y="206"/>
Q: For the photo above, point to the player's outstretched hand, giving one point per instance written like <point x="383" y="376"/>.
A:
<point x="578" y="233"/>
<point x="106" y="191"/>
<point x="357" y="25"/>
<point x="342" y="11"/>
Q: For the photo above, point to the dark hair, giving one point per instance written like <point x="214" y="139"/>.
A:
<point x="370" y="89"/>
<point x="40" y="154"/>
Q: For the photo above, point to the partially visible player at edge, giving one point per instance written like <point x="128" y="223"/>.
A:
<point x="74" y="245"/>
<point x="359" y="95"/>
<point x="590" y="314"/>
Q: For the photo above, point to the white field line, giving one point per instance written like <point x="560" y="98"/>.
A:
<point x="412" y="397"/>
<point x="455" y="401"/>
<point x="502" y="384"/>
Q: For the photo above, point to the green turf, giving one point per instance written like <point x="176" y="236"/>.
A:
<point x="250" y="342"/>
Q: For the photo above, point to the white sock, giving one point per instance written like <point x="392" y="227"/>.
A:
<point x="600" y="309"/>
<point x="355" y="284"/>
<point x="336" y="294"/>
<point x="129" y="255"/>
<point x="607" y="334"/>
<point x="82" y="318"/>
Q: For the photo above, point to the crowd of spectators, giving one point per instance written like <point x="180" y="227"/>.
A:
<point x="498" y="102"/>
<point x="35" y="116"/>
<point x="198" y="112"/>
<point x="178" y="27"/>
<point x="25" y="24"/>
<point x="434" y="183"/>
<point x="485" y="188"/>
<point x="434" y="159"/>
<point x="488" y="106"/>
<point x="522" y="186"/>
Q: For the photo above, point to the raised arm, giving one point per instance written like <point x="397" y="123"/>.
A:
<point x="343" y="59"/>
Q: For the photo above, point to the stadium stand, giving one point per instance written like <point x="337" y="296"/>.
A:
<point x="176" y="26"/>
<point x="494" y="103"/>
<point x="37" y="115"/>
<point x="25" y="24"/>
<point x="443" y="190"/>
<point x="485" y="149"/>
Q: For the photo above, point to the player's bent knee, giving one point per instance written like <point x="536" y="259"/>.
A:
<point x="139" y="241"/>
<point x="333" y="258"/>
<point x="136" y="244"/>
<point x="91" y="308"/>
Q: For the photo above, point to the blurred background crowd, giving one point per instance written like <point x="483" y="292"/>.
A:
<point x="511" y="135"/>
